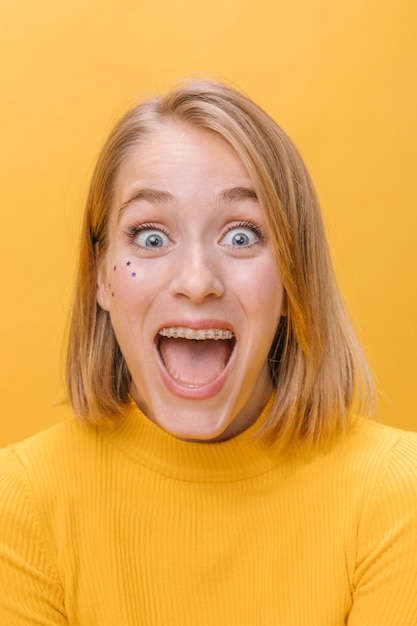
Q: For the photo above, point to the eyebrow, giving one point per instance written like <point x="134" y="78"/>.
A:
<point x="238" y="193"/>
<point x="157" y="196"/>
<point x="150" y="195"/>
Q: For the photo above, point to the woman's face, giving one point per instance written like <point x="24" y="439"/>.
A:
<point x="191" y="284"/>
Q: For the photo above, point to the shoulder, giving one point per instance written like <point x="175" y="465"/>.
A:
<point x="46" y="459"/>
<point x="372" y="468"/>
<point x="61" y="434"/>
<point x="374" y="447"/>
<point x="382" y="470"/>
<point x="393" y="455"/>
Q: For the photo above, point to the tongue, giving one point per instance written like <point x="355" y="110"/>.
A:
<point x="192" y="362"/>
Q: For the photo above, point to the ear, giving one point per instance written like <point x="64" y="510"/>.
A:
<point x="103" y="288"/>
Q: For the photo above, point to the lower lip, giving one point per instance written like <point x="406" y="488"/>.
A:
<point x="202" y="392"/>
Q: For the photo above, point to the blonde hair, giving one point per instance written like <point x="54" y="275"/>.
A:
<point x="316" y="364"/>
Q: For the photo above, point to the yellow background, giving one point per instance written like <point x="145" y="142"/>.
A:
<point x="340" y="77"/>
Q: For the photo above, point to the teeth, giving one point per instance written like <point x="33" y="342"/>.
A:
<point x="201" y="334"/>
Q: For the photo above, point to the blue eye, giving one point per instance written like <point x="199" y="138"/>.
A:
<point x="240" y="237"/>
<point x="152" y="238"/>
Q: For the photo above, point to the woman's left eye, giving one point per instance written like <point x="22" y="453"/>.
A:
<point x="241" y="236"/>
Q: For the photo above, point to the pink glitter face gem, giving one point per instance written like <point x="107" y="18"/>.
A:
<point x="133" y="274"/>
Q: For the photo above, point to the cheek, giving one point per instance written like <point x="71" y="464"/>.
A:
<point x="127" y="281"/>
<point x="131" y="294"/>
<point x="263" y="291"/>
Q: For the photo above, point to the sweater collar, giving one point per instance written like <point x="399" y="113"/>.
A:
<point x="238" y="458"/>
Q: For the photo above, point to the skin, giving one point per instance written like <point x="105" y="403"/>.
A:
<point x="196" y="256"/>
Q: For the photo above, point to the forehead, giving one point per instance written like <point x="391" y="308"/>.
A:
<point x="176" y="149"/>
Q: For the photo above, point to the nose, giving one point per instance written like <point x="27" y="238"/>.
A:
<point x="196" y="275"/>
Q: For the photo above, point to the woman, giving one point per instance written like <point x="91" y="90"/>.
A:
<point x="219" y="470"/>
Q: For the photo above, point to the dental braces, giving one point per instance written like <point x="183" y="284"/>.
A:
<point x="199" y="335"/>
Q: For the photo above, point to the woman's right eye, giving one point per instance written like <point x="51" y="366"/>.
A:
<point x="152" y="239"/>
<point x="148" y="236"/>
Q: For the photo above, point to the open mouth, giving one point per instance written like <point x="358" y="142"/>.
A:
<point x="195" y="358"/>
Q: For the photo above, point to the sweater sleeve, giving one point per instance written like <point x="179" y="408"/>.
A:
<point x="30" y="590"/>
<point x="385" y="591"/>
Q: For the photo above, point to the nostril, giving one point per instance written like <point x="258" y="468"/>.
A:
<point x="197" y="284"/>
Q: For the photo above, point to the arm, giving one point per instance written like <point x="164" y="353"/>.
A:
<point x="385" y="592"/>
<point x="30" y="590"/>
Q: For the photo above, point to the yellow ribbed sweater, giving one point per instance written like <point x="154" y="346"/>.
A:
<point x="135" y="527"/>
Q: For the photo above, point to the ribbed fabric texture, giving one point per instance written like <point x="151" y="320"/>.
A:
<point x="134" y="527"/>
